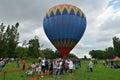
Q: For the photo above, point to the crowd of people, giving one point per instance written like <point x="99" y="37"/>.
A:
<point x="57" y="66"/>
<point x="111" y="64"/>
<point x="4" y="61"/>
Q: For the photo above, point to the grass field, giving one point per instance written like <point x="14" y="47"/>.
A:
<point x="99" y="73"/>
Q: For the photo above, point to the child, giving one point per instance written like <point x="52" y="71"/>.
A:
<point x="29" y="72"/>
<point x="38" y="69"/>
<point x="23" y="64"/>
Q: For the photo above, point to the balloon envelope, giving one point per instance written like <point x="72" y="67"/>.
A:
<point x="64" y="26"/>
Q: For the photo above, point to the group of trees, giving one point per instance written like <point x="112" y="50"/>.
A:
<point x="9" y="37"/>
<point x="109" y="52"/>
<point x="9" y="40"/>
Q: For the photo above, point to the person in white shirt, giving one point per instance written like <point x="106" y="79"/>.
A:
<point x="59" y="66"/>
<point x="90" y="65"/>
<point x="43" y="65"/>
<point x="70" y="65"/>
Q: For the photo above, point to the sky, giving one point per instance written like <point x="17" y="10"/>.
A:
<point x="103" y="21"/>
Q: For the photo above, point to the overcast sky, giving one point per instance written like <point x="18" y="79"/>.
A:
<point x="103" y="21"/>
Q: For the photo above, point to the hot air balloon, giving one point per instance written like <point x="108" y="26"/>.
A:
<point x="64" y="26"/>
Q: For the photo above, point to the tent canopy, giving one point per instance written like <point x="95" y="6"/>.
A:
<point x="116" y="58"/>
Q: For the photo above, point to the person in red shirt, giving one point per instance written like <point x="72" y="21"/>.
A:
<point x="23" y="64"/>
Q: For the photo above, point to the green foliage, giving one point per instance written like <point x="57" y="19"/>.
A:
<point x="109" y="52"/>
<point x="2" y="41"/>
<point x="21" y="52"/>
<point x="72" y="56"/>
<point x="116" y="44"/>
<point x="34" y="46"/>
<point x="48" y="53"/>
<point x="8" y="40"/>
<point x="100" y="54"/>
<point x="57" y="54"/>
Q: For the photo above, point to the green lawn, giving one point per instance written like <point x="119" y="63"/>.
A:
<point x="99" y="73"/>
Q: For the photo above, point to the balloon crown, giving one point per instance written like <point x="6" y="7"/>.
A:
<point x="64" y="9"/>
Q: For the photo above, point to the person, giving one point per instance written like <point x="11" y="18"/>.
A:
<point x="90" y="66"/>
<point x="59" y="67"/>
<point x="39" y="59"/>
<point x="23" y="64"/>
<point x="0" y="66"/>
<point x="18" y="62"/>
<point x="43" y="65"/>
<point x="79" y="63"/>
<point x="38" y="69"/>
<point x="112" y="64"/>
<point x="29" y="72"/>
<point x="62" y="66"/>
<point x="33" y="66"/>
<point x="104" y="64"/>
<point x="46" y="65"/>
<point x="51" y="67"/>
<point x="66" y="65"/>
<point x="71" y="65"/>
<point x="54" y="67"/>
<point x="117" y="66"/>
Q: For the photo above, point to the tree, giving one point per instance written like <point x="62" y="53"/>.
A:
<point x="33" y="49"/>
<point x="18" y="51"/>
<point x="2" y="41"/>
<point x="85" y="57"/>
<point x="9" y="39"/>
<point x="71" y="55"/>
<point x="92" y="53"/>
<point x="116" y="44"/>
<point x="24" y="48"/>
<point x="57" y="54"/>
<point x="110" y="52"/>
<point x="100" y="54"/>
<point x="48" y="53"/>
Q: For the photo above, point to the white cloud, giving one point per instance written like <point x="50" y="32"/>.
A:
<point x="117" y="35"/>
<point x="103" y="27"/>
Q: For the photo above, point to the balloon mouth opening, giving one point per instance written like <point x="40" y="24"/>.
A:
<point x="65" y="53"/>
